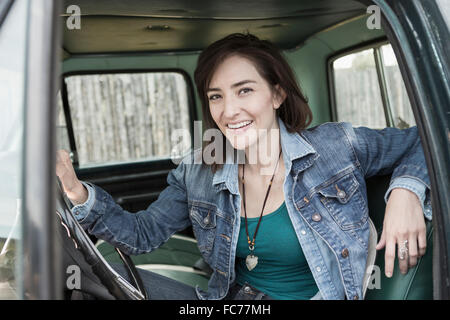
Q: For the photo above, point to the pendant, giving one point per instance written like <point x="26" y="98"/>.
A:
<point x="251" y="261"/>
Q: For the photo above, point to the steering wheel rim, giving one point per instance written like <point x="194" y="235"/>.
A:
<point x="118" y="286"/>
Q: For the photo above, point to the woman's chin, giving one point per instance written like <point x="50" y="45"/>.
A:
<point x="242" y="141"/>
<point x="239" y="143"/>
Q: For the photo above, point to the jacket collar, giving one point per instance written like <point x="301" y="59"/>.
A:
<point x="298" y="155"/>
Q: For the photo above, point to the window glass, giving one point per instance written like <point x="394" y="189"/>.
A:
<point x="12" y="69"/>
<point x="127" y="117"/>
<point x="398" y="98"/>
<point x="357" y="92"/>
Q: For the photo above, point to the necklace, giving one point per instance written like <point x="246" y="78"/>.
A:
<point x="251" y="261"/>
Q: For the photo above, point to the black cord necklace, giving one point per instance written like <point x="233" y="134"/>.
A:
<point x="251" y="261"/>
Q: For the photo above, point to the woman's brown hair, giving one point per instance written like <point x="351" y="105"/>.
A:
<point x="270" y="64"/>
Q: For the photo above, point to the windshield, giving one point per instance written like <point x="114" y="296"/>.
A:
<point x="12" y="64"/>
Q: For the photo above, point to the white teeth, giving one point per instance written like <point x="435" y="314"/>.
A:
<point x="239" y="125"/>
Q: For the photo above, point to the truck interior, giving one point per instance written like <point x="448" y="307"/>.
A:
<point x="132" y="39"/>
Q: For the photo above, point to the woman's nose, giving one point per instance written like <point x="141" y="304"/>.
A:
<point x="231" y="108"/>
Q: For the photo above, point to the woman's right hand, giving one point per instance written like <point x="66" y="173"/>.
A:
<point x="74" y="189"/>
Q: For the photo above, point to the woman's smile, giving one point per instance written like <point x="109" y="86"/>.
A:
<point x="240" y="127"/>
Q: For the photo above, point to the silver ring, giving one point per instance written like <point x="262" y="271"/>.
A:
<point x="403" y="250"/>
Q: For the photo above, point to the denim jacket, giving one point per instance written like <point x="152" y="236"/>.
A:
<point x="325" y="194"/>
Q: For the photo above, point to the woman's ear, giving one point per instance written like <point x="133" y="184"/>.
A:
<point x="279" y="96"/>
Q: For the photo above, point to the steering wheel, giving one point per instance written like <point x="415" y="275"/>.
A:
<point x="118" y="286"/>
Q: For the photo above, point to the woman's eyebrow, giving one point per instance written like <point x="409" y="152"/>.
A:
<point x="212" y="89"/>
<point x="237" y="84"/>
<point x="240" y="83"/>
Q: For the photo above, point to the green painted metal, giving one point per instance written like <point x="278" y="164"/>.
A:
<point x="181" y="25"/>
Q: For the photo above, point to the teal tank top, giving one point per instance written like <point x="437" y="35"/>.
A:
<point x="282" y="271"/>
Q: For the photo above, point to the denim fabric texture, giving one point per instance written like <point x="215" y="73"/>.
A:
<point x="159" y="287"/>
<point x="325" y="195"/>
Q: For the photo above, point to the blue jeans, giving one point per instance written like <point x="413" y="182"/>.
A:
<point x="159" y="287"/>
<point x="245" y="292"/>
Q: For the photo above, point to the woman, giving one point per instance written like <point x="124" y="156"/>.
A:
<point x="290" y="221"/>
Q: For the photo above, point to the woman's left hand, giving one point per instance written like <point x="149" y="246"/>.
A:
<point x="403" y="220"/>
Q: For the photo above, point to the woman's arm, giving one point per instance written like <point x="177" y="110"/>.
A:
<point x="393" y="151"/>
<point x="403" y="221"/>
<point x="399" y="153"/>
<point x="141" y="232"/>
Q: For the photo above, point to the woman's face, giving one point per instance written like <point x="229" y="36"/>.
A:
<point x="242" y="103"/>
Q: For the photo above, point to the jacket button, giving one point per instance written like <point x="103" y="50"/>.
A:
<point x="341" y="194"/>
<point x="316" y="217"/>
<point x="355" y="297"/>
<point x="344" y="253"/>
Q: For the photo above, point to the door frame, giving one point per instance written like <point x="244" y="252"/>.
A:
<point x="41" y="268"/>
<point x="407" y="26"/>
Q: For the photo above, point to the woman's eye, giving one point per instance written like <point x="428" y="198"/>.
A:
<point x="245" y="90"/>
<point x="214" y="97"/>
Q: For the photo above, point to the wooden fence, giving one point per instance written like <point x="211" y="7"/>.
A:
<point x="125" y="117"/>
<point x="358" y="98"/>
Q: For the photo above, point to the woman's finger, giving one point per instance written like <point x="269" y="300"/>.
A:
<point x="413" y="251"/>
<point x="382" y="241"/>
<point x="389" y="257"/>
<point x="422" y="242"/>
<point x="402" y="248"/>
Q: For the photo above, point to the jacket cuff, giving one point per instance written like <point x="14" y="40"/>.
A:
<point x="414" y="185"/>
<point x="81" y="211"/>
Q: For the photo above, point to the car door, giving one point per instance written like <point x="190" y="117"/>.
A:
<point x="419" y="34"/>
<point x="29" y="260"/>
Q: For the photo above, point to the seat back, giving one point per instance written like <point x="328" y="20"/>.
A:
<point x="417" y="284"/>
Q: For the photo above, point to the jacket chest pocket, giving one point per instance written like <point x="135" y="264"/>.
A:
<point x="203" y="218"/>
<point x="344" y="201"/>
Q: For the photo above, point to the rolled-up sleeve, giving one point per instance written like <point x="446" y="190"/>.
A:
<point x="80" y="211"/>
